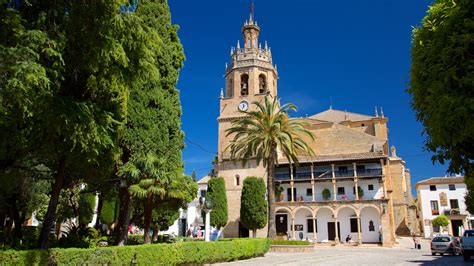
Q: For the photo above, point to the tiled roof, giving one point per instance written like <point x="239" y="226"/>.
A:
<point x="204" y="180"/>
<point x="442" y="180"/>
<point x="337" y="157"/>
<point x="339" y="139"/>
<point x="339" y="116"/>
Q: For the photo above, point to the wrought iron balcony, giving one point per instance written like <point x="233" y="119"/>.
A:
<point x="282" y="176"/>
<point x="347" y="173"/>
<point x="303" y="175"/>
<point x="369" y="172"/>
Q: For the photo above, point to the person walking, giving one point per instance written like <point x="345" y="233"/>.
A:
<point x="415" y="240"/>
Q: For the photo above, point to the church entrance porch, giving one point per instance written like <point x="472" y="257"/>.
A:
<point x="342" y="223"/>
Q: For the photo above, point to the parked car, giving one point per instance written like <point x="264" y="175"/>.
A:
<point x="467" y="244"/>
<point x="445" y="244"/>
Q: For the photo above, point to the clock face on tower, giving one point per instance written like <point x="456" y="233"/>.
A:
<point x="243" y="106"/>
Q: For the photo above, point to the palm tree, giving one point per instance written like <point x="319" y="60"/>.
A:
<point x="260" y="133"/>
<point x="150" y="182"/>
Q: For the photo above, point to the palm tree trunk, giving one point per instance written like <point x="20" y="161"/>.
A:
<point x="43" y="240"/>
<point x="271" y="194"/>
<point x="147" y="219"/>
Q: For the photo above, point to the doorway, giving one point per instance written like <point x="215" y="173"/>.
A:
<point x="455" y="224"/>
<point x="243" y="232"/>
<point x="281" y="224"/>
<point x="332" y="232"/>
<point x="182" y="227"/>
<point x="288" y="194"/>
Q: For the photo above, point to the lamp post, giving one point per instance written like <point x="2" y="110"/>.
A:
<point x="207" y="205"/>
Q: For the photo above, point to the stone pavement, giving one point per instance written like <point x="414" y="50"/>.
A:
<point x="402" y="254"/>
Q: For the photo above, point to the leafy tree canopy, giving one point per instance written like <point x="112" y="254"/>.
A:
<point x="440" y="221"/>
<point x="442" y="82"/>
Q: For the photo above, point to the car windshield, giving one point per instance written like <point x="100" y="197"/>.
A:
<point x="469" y="233"/>
<point x="441" y="239"/>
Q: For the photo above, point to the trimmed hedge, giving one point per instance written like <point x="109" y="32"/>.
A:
<point x="156" y="254"/>
<point x="290" y="242"/>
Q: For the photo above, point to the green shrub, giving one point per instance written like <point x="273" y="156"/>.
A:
<point x="216" y="193"/>
<point x="290" y="242"/>
<point x="155" y="254"/>
<point x="86" y="208"/>
<point x="326" y="194"/>
<point x="253" y="204"/>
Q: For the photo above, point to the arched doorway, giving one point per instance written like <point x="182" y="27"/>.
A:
<point x="370" y="225"/>
<point x="347" y="218"/>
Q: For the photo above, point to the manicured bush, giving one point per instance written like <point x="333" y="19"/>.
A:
<point x="290" y="242"/>
<point x="216" y="193"/>
<point x="155" y="254"/>
<point x="253" y="204"/>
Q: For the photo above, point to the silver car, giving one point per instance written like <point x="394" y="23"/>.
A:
<point x="445" y="244"/>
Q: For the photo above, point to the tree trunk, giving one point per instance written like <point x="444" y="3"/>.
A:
<point x="254" y="233"/>
<point x="147" y="219"/>
<point x="271" y="194"/>
<point x="124" y="217"/>
<point x="43" y="241"/>
<point x="17" y="234"/>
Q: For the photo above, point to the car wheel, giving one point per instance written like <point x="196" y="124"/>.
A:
<point x="466" y="256"/>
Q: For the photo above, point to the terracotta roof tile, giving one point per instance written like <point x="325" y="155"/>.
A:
<point x="333" y="115"/>
<point x="338" y="157"/>
<point x="442" y="180"/>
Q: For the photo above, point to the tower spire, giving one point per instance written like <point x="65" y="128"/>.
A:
<point x="252" y="7"/>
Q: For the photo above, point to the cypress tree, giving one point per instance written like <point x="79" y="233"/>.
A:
<point x="253" y="204"/>
<point x="216" y="193"/>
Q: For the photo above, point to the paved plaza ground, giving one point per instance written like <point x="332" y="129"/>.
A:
<point x="402" y="254"/>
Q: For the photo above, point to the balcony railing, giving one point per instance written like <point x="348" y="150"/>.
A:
<point x="328" y="174"/>
<point x="282" y="176"/>
<point x="434" y="212"/>
<point x="452" y="212"/>
<point x="347" y="173"/>
<point x="303" y="175"/>
<point x="369" y="172"/>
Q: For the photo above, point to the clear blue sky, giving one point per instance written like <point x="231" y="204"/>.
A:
<point x="357" y="52"/>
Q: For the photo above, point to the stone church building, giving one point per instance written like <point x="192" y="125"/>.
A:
<point x="353" y="185"/>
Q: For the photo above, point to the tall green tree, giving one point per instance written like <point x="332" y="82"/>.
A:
<point x="253" y="205"/>
<point x="260" y="133"/>
<point x="79" y="79"/>
<point x="216" y="193"/>
<point x="442" y="81"/>
<point x="153" y="128"/>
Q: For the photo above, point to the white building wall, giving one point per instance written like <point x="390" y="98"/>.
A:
<point x="370" y="214"/>
<point x="425" y="196"/>
<point x="323" y="216"/>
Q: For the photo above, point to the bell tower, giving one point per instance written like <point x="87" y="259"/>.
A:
<point x="249" y="77"/>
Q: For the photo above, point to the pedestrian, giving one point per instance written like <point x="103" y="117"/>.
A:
<point x="415" y="240"/>
<point x="189" y="233"/>
<point x="199" y="232"/>
<point x="348" y="238"/>
<point x="195" y="231"/>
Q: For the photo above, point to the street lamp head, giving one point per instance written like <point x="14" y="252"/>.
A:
<point x="209" y="204"/>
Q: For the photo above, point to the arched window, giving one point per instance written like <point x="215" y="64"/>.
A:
<point x="244" y="84"/>
<point x="371" y="226"/>
<point x="237" y="180"/>
<point x="262" y="84"/>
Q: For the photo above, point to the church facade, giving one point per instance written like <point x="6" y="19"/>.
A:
<point x="353" y="185"/>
